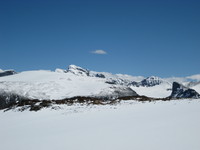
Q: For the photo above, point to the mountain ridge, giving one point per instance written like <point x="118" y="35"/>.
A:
<point x="77" y="81"/>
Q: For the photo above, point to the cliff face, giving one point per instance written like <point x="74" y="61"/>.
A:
<point x="180" y="91"/>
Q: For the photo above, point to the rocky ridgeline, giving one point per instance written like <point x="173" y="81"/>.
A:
<point x="180" y="91"/>
<point x="119" y="90"/>
<point x="113" y="79"/>
<point x="6" y="72"/>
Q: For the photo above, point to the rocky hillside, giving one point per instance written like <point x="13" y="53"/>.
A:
<point x="180" y="91"/>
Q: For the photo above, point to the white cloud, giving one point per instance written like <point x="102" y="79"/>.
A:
<point x="195" y="77"/>
<point x="99" y="52"/>
<point x="176" y="79"/>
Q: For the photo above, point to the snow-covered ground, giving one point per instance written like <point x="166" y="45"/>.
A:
<point x="196" y="88"/>
<point x="43" y="84"/>
<point x="159" y="91"/>
<point x="170" y="125"/>
<point x="51" y="85"/>
<point x="77" y="81"/>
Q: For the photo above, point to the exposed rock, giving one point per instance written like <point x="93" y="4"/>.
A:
<point x="6" y="72"/>
<point x="180" y="91"/>
<point x="99" y="75"/>
<point x="134" y="83"/>
<point x="151" y="81"/>
<point x="7" y="99"/>
<point x="78" y="70"/>
<point x="148" y="82"/>
<point x="111" y="82"/>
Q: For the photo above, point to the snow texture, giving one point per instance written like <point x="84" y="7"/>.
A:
<point x="159" y="91"/>
<point x="54" y="85"/>
<point x="170" y="125"/>
<point x="77" y="81"/>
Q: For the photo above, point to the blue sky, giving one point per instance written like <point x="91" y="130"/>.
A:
<point x="139" y="37"/>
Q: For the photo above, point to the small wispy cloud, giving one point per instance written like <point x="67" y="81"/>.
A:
<point x="194" y="77"/>
<point x="99" y="52"/>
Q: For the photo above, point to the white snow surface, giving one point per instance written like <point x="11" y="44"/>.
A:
<point x="196" y="88"/>
<point x="120" y="78"/>
<point x="77" y="81"/>
<point x="52" y="85"/>
<point x="159" y="91"/>
<point x="170" y="125"/>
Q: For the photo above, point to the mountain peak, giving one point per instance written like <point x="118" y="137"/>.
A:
<point x="180" y="91"/>
<point x="73" y="66"/>
<point x="151" y="81"/>
<point x="78" y="70"/>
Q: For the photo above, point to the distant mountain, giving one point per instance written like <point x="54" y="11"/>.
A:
<point x="77" y="81"/>
<point x="194" y="85"/>
<point x="78" y="70"/>
<point x="180" y="91"/>
<point x="6" y="72"/>
<point x="115" y="79"/>
<point x="149" y="82"/>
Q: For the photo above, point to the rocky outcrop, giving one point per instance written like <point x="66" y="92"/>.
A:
<point x="148" y="82"/>
<point x="7" y="72"/>
<point x="151" y="81"/>
<point x="8" y="99"/>
<point x="180" y="91"/>
<point x="78" y="70"/>
<point x="100" y="75"/>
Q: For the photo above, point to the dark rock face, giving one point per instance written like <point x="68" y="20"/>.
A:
<point x="7" y="99"/>
<point x="180" y="91"/>
<point x="137" y="84"/>
<point x="7" y="73"/>
<point x="99" y="75"/>
<point x="151" y="81"/>
<point x="148" y="82"/>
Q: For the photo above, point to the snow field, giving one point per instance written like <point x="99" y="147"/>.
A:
<point x="130" y="125"/>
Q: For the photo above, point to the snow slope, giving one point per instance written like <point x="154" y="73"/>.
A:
<point x="77" y="81"/>
<point x="158" y="91"/>
<point x="196" y="88"/>
<point x="51" y="85"/>
<point x="170" y="125"/>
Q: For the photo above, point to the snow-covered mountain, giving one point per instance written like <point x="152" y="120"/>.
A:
<point x="43" y="84"/>
<point x="152" y="87"/>
<point x="77" y="81"/>
<point x="110" y="78"/>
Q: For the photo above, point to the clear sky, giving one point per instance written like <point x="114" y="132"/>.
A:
<point x="157" y="37"/>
